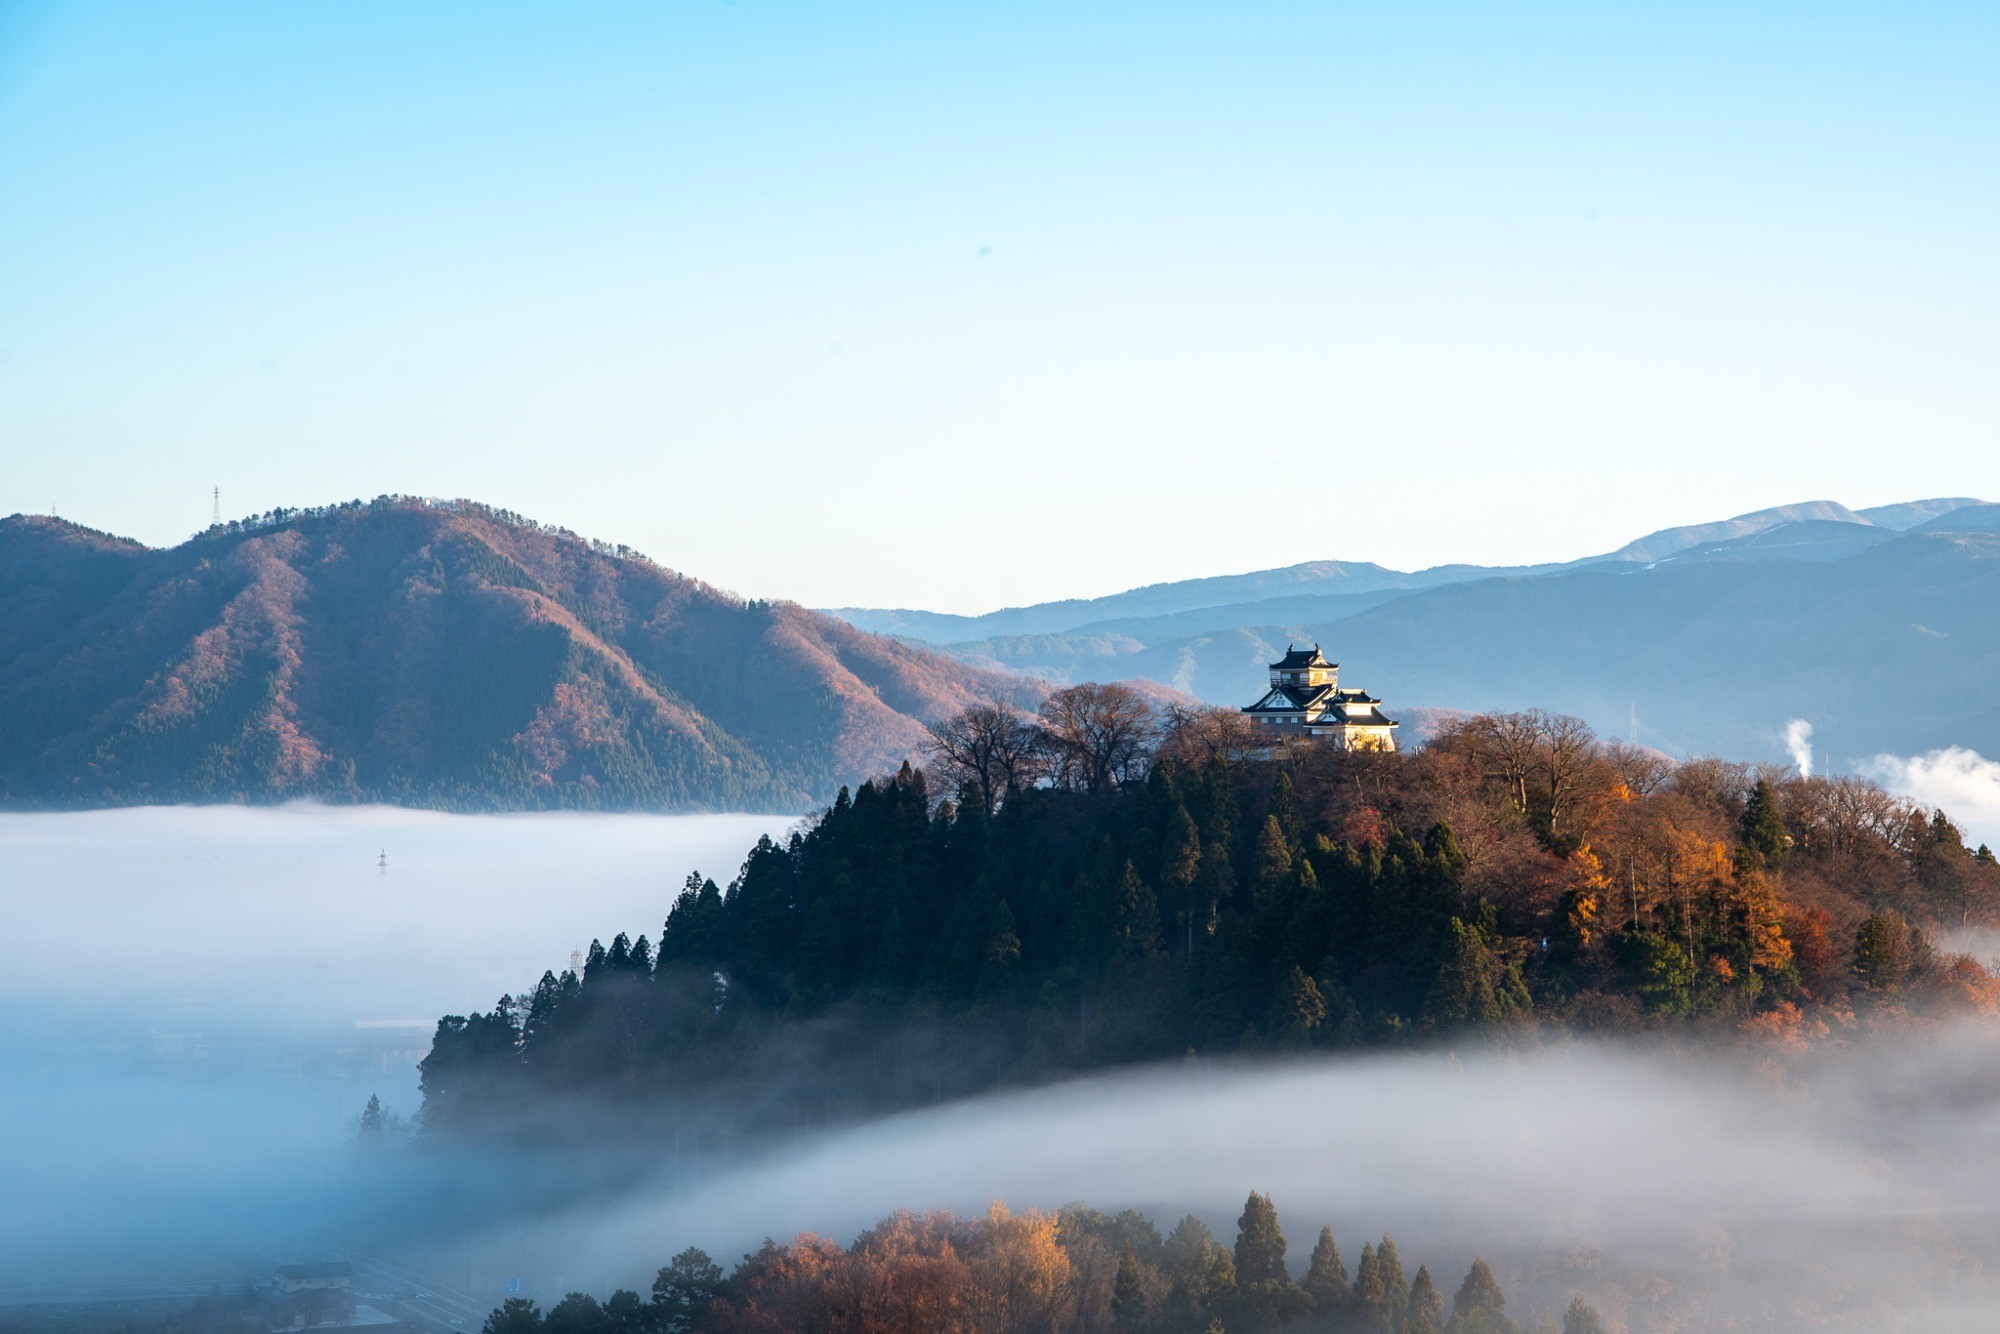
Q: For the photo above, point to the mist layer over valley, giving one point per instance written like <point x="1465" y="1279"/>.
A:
<point x="197" y="1002"/>
<point x="1676" y="1188"/>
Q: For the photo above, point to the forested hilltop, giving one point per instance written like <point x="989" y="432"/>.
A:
<point x="1105" y="885"/>
<point x="434" y="653"/>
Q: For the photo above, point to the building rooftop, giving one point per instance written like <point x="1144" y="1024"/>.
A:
<point x="1296" y="659"/>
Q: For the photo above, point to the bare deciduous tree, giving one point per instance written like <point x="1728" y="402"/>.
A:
<point x="1567" y="749"/>
<point x="1192" y="736"/>
<point x="1098" y="734"/>
<point x="1509" y="745"/>
<point x="1640" y="768"/>
<point x="994" y="750"/>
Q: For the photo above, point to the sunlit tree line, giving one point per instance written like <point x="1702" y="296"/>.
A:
<point x="1075" y="1271"/>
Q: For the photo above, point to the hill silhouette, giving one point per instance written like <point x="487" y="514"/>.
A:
<point x="439" y="654"/>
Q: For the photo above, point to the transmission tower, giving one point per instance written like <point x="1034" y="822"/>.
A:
<point x="215" y="509"/>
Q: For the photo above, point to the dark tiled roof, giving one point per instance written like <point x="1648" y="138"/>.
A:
<point x="1297" y="697"/>
<point x="1370" y="719"/>
<point x="1296" y="658"/>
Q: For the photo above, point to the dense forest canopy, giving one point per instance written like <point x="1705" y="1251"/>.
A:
<point x="1107" y="885"/>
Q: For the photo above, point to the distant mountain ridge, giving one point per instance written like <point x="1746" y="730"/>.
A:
<point x="1880" y="627"/>
<point x="1326" y="577"/>
<point x="435" y="654"/>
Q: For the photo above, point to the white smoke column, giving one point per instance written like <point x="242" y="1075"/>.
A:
<point x="1962" y="783"/>
<point x="1798" y="740"/>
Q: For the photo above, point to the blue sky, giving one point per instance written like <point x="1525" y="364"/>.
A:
<point x="957" y="306"/>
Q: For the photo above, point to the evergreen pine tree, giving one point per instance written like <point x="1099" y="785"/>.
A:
<point x="1260" y="1245"/>
<point x="1881" y="951"/>
<point x="1001" y="956"/>
<point x="1395" y="1287"/>
<point x="1426" y="1306"/>
<point x="1462" y="994"/>
<point x="1128" y="1291"/>
<point x="1274" y="857"/>
<point x="1326" y="1276"/>
<point x="1582" y="1318"/>
<point x="1180" y="864"/>
<point x="1285" y="808"/>
<point x="1479" y="1306"/>
<point x="1136" y="916"/>
<point x="576" y="1313"/>
<point x="1298" y="1010"/>
<point x="371" y="1133"/>
<point x="1371" y="1296"/>
<point x="1763" y="827"/>
<point x="683" y="1291"/>
<point x="516" y="1315"/>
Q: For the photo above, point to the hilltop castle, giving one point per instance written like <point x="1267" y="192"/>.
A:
<point x="1307" y="699"/>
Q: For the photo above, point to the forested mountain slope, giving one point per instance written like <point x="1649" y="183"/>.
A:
<point x="436" y="654"/>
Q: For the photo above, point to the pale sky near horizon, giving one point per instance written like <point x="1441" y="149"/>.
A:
<point x="966" y="306"/>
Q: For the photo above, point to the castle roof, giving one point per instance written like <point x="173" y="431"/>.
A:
<point x="1298" y="658"/>
<point x="1283" y="699"/>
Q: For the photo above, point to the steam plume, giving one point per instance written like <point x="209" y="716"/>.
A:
<point x="1798" y="740"/>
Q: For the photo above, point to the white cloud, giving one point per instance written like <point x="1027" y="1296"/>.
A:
<point x="1962" y="783"/>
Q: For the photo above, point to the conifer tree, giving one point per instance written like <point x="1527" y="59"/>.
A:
<point x="1582" y="1318"/>
<point x="1274" y="857"/>
<point x="1260" y="1245"/>
<point x="1326" y="1276"/>
<point x="1479" y="1306"/>
<point x="1426" y="1306"/>
<point x="576" y="1313"/>
<point x="1763" y="826"/>
<point x="1180" y="864"/>
<point x="371" y="1133"/>
<point x="1462" y="995"/>
<point x="1371" y="1295"/>
<point x="1128" y="1291"/>
<point x="1395" y="1287"/>
<point x="1285" y="808"/>
<point x="1001" y="955"/>
<point x="1136" y="916"/>
<point x="516" y="1315"/>
<point x="1881" y="951"/>
<point x="684" y="1290"/>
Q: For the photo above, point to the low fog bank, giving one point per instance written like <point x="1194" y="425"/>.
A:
<point x="196" y="1002"/>
<point x="1635" y="1174"/>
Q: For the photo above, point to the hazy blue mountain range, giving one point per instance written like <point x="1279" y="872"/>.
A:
<point x="434" y="654"/>
<point x="1880" y="626"/>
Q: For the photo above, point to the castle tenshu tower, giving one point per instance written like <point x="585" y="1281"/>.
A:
<point x="1307" y="699"/>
